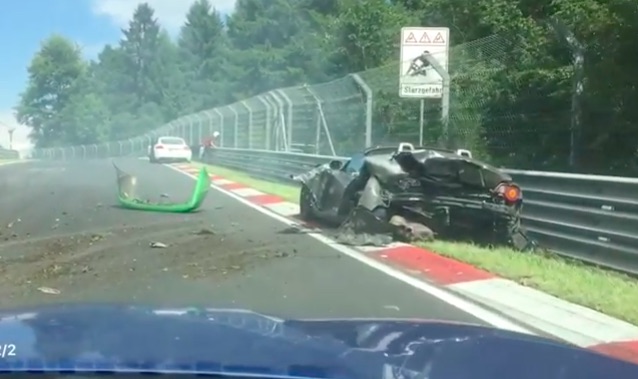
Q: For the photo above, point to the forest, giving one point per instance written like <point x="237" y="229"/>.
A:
<point x="536" y="84"/>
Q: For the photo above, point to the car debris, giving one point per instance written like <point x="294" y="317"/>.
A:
<point x="414" y="194"/>
<point x="127" y="197"/>
<point x="49" y="290"/>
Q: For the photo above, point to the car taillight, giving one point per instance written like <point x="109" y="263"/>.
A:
<point x="159" y="146"/>
<point x="510" y="192"/>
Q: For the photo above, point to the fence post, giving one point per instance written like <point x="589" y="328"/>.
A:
<point x="321" y="122"/>
<point x="269" y="114"/>
<point x="236" y="133"/>
<point x="290" y="113"/>
<point x="445" y="98"/>
<point x="221" y="126"/>
<point x="209" y="120"/>
<point x="578" y="90"/>
<point x="250" y="123"/>
<point x="282" y="121"/>
<point x="366" y="89"/>
<point x="191" y="124"/>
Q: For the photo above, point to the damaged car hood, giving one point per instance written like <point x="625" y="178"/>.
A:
<point x="94" y="337"/>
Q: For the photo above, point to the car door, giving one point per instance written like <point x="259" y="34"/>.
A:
<point x="338" y="180"/>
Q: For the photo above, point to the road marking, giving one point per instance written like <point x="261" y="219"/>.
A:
<point x="459" y="302"/>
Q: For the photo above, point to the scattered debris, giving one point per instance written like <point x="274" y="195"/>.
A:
<point x="50" y="291"/>
<point x="157" y="245"/>
<point x="408" y="231"/>
<point x="204" y="232"/>
<point x="10" y="225"/>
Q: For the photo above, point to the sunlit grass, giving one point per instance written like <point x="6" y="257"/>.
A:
<point x="608" y="292"/>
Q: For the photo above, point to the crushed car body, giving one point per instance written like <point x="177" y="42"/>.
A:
<point x="416" y="193"/>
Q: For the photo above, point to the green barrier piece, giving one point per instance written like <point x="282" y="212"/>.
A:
<point x="126" y="195"/>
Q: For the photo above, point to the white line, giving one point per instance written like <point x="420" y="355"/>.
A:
<point x="247" y="192"/>
<point x="221" y="182"/>
<point x="446" y="296"/>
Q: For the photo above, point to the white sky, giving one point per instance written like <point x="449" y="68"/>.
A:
<point x="170" y="13"/>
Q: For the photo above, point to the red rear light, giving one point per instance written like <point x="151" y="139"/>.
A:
<point x="510" y="192"/>
<point x="159" y="146"/>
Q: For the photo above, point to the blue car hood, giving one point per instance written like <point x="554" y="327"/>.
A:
<point x="65" y="338"/>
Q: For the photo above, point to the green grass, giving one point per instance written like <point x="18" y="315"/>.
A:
<point x="8" y="161"/>
<point x="608" y="292"/>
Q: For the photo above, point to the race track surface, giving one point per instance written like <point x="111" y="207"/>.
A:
<point x="60" y="227"/>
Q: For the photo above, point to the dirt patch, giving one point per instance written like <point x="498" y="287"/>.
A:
<point x="112" y="264"/>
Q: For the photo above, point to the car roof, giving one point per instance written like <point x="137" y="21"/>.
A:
<point x="391" y="149"/>
<point x="170" y="137"/>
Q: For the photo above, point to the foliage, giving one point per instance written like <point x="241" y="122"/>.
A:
<point x="511" y="95"/>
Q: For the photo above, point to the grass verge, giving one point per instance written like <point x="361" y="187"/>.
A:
<point x="8" y="161"/>
<point x="608" y="292"/>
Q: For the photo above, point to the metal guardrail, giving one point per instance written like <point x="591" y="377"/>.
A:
<point x="9" y="154"/>
<point x="586" y="217"/>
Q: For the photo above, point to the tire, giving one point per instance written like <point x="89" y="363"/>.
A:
<point x="306" y="204"/>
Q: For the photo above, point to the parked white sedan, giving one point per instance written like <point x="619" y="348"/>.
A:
<point x="169" y="149"/>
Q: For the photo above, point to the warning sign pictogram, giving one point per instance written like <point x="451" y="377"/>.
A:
<point x="425" y="38"/>
<point x="417" y="76"/>
<point x="439" y="38"/>
<point x="411" y="38"/>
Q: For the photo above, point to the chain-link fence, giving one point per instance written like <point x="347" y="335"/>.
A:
<point x="507" y="104"/>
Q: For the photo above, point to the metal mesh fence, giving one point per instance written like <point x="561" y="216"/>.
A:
<point x="504" y="105"/>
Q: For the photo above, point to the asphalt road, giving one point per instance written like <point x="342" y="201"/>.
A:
<point x="60" y="228"/>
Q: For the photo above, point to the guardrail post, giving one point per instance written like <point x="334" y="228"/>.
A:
<point x="368" y="92"/>
<point x="236" y="133"/>
<point x="250" y="123"/>
<point x="269" y="114"/>
<point x="290" y="114"/>
<point x="221" y="126"/>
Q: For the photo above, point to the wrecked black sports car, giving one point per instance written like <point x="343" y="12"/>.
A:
<point x="452" y="194"/>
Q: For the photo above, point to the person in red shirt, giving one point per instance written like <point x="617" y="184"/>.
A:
<point x="208" y="144"/>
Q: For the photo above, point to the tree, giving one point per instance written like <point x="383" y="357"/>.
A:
<point x="203" y="51"/>
<point x="53" y="73"/>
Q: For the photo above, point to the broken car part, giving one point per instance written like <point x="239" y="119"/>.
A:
<point x="127" y="185"/>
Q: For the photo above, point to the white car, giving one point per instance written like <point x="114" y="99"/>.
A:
<point x="169" y="149"/>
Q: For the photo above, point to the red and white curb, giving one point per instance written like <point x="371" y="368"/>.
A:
<point x="573" y="323"/>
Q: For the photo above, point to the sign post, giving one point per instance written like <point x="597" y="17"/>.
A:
<point x="418" y="78"/>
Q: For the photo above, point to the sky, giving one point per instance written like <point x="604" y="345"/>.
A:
<point x="90" y="23"/>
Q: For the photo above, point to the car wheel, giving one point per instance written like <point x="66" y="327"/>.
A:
<point x="305" y="204"/>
